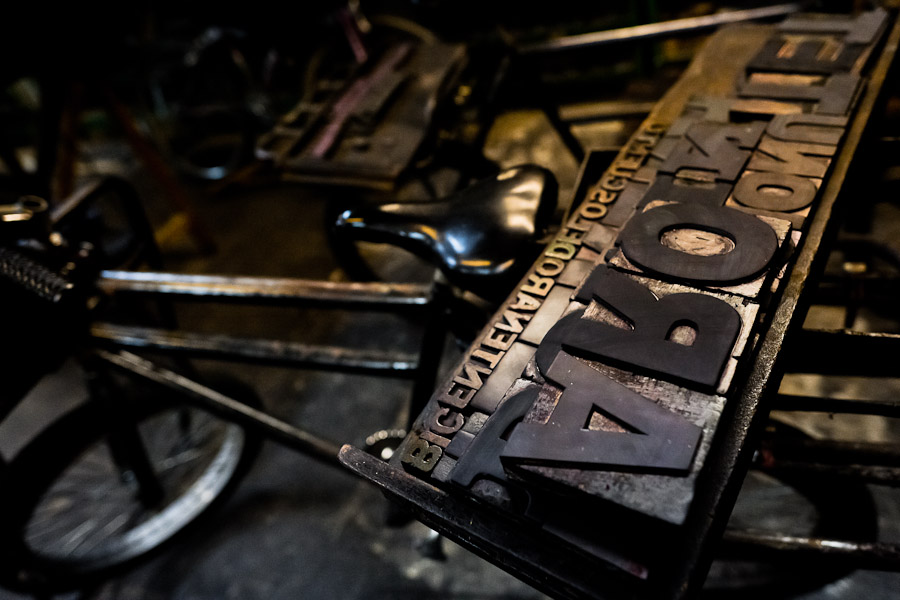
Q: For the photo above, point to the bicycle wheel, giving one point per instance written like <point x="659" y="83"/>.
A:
<point x="798" y="504"/>
<point x="73" y="511"/>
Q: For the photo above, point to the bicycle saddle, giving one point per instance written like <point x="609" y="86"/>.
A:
<point x="481" y="237"/>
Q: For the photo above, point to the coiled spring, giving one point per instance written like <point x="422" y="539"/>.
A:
<point x="27" y="274"/>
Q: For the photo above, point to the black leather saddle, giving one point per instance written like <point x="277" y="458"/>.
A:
<point x="482" y="237"/>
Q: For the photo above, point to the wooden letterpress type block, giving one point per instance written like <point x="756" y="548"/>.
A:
<point x="507" y="371"/>
<point x="690" y="250"/>
<point x="576" y="272"/>
<point x="792" y="158"/>
<point x="666" y="330"/>
<point x="665" y="496"/>
<point x="547" y="315"/>
<point x="831" y="95"/>
<point x="777" y="195"/>
<point x="720" y="149"/>
<point x="862" y="28"/>
<point x="786" y="54"/>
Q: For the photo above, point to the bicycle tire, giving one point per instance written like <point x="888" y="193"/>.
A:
<point x="57" y="533"/>
<point x="793" y="504"/>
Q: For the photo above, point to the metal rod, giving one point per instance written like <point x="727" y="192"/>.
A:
<point x="836" y="452"/>
<point x="843" y="352"/>
<point x="889" y="476"/>
<point x="279" y="431"/>
<point x="124" y="441"/>
<point x="597" y="111"/>
<point x="430" y="351"/>
<point x="876" y="288"/>
<point x="661" y="29"/>
<point x="278" y="352"/>
<point x="775" y="547"/>
<point x="562" y="129"/>
<point x="884" y="408"/>
<point x="266" y="289"/>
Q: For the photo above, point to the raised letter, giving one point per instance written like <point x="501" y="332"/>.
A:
<point x="755" y="243"/>
<point x="655" y="438"/>
<point x="647" y="346"/>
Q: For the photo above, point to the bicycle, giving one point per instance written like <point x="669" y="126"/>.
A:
<point x="174" y="463"/>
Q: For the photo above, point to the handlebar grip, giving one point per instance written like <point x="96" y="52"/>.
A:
<point x="31" y="276"/>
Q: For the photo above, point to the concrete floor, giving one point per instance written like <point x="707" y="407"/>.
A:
<point x="296" y="528"/>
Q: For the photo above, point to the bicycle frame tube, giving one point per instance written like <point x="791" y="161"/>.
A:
<point x="279" y="431"/>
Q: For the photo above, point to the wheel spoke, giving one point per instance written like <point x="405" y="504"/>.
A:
<point x="93" y="491"/>
<point x="105" y="533"/>
<point x="53" y="531"/>
<point x="74" y="539"/>
<point x="182" y="458"/>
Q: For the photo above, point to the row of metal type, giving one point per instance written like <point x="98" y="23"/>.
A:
<point x="588" y="409"/>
